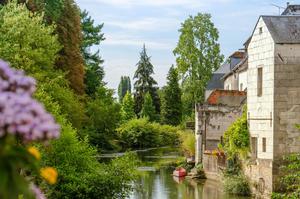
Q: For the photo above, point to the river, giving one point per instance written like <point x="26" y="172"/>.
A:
<point x="156" y="182"/>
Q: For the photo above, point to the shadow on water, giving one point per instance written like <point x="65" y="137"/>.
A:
<point x="156" y="182"/>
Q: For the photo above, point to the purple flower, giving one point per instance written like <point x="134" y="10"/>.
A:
<point x="20" y="114"/>
<point x="37" y="192"/>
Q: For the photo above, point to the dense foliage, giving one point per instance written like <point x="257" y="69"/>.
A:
<point x="80" y="173"/>
<point x="290" y="182"/>
<point x="148" y="109"/>
<point x="124" y="87"/>
<point x="197" y="55"/>
<point x="25" y="41"/>
<point x="104" y="117"/>
<point x="237" y="184"/>
<point x="236" y="142"/>
<point x="70" y="36"/>
<point x="188" y="143"/>
<point x="145" y="83"/>
<point x="127" y="110"/>
<point x="140" y="133"/>
<point x="171" y="105"/>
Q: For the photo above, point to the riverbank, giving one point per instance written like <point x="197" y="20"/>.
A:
<point x="155" y="180"/>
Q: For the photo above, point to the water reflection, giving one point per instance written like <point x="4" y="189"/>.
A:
<point x="157" y="182"/>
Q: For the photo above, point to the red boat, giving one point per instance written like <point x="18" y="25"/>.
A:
<point x="179" y="172"/>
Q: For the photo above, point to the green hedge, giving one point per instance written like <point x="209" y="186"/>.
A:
<point x="140" y="133"/>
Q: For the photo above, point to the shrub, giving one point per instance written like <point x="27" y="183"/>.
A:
<point x="236" y="138"/>
<point x="140" y="133"/>
<point x="188" y="142"/>
<point x="290" y="182"/>
<point x="81" y="175"/>
<point x="237" y="184"/>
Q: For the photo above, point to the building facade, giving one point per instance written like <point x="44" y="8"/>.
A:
<point x="273" y="97"/>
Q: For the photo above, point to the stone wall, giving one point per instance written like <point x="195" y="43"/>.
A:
<point x="286" y="104"/>
<point x="242" y="77"/>
<point x="260" y="108"/>
<point x="211" y="123"/>
<point x="231" y="82"/>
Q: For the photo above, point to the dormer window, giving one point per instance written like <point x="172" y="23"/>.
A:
<point x="260" y="30"/>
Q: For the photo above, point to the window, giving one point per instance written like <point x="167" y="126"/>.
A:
<point x="260" y="30"/>
<point x="264" y="144"/>
<point x="254" y="147"/>
<point x="241" y="86"/>
<point x="259" y="81"/>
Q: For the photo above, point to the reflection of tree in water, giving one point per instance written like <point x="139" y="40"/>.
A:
<point x="144" y="185"/>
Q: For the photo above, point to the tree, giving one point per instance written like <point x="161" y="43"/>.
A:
<point x="197" y="54"/>
<point x="124" y="87"/>
<point x="127" y="110"/>
<point x="70" y="36"/>
<point x="104" y="117"/>
<point x="171" y="110"/>
<point x="92" y="35"/>
<point x="25" y="41"/>
<point x="145" y="82"/>
<point x="148" y="109"/>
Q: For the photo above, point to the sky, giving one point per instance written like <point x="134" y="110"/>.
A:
<point x="128" y="24"/>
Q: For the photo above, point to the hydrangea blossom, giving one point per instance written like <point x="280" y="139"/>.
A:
<point x="20" y="114"/>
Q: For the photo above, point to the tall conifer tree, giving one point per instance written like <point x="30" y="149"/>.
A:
<point x="92" y="35"/>
<point x="145" y="83"/>
<point x="171" y="108"/>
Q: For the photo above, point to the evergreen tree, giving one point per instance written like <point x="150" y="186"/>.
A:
<point x="124" y="87"/>
<point x="145" y="83"/>
<point x="171" y="110"/>
<point x="148" y="109"/>
<point x="127" y="110"/>
<point x="92" y="35"/>
<point x="70" y="36"/>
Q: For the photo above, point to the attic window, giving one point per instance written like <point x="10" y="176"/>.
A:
<point x="260" y="30"/>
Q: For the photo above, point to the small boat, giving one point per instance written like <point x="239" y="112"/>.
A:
<point x="179" y="172"/>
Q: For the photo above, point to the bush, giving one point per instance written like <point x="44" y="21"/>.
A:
<point x="236" y="138"/>
<point x="140" y="133"/>
<point x="80" y="173"/>
<point x="290" y="182"/>
<point x="237" y="184"/>
<point x="188" y="142"/>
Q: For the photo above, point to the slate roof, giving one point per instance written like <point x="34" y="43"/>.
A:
<point x="292" y="10"/>
<point x="216" y="81"/>
<point x="284" y="29"/>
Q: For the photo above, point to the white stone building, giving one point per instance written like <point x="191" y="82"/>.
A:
<point x="273" y="97"/>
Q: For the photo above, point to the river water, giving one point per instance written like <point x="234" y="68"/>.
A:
<point x="156" y="182"/>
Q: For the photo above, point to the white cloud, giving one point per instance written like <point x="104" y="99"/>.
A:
<point x="145" y="24"/>
<point x="159" y="3"/>
<point x="135" y="41"/>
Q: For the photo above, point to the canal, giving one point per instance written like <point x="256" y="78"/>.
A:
<point x="156" y="182"/>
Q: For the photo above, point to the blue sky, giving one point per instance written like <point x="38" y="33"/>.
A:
<point x="130" y="23"/>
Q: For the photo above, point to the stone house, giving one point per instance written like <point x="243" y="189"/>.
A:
<point x="213" y="117"/>
<point x="237" y="63"/>
<point x="273" y="97"/>
<point x="216" y="81"/>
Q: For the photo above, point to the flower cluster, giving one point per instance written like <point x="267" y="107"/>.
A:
<point x="20" y="114"/>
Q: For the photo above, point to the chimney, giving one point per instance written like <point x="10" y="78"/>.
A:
<point x="287" y="4"/>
